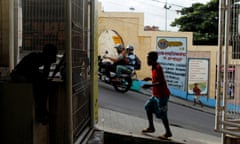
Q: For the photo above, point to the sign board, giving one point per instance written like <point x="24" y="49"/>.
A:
<point x="198" y="73"/>
<point x="172" y="54"/>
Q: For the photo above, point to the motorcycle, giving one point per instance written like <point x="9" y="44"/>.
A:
<point x="125" y="80"/>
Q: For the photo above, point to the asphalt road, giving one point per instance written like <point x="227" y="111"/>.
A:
<point x="132" y="103"/>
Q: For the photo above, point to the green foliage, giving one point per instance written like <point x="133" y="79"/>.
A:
<point x="202" y="20"/>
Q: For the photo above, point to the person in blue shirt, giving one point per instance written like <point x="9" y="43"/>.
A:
<point x="129" y="66"/>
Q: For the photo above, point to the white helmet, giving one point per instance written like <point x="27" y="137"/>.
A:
<point x="130" y="48"/>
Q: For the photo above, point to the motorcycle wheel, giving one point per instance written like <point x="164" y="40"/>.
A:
<point x="124" y="85"/>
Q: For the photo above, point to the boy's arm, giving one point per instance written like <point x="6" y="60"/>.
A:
<point x="151" y="85"/>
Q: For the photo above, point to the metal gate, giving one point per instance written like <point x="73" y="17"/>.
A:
<point x="228" y="78"/>
<point x="66" y="24"/>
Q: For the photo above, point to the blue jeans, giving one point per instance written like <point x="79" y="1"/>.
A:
<point x="158" y="106"/>
<point x="122" y="69"/>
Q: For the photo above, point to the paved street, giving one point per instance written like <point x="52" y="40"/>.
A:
<point x="122" y="116"/>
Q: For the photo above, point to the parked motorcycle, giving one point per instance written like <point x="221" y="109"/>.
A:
<point x="125" y="80"/>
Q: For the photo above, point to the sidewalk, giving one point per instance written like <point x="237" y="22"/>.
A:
<point x="123" y="124"/>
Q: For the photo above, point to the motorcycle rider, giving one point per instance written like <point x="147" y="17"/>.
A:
<point x="131" y="57"/>
<point x="121" y="59"/>
<point x="129" y="67"/>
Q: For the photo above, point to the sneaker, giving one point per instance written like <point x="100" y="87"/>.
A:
<point x="148" y="130"/>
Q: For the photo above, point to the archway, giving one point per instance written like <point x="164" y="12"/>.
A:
<point x="106" y="42"/>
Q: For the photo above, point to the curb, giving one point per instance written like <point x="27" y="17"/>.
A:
<point x="137" y="88"/>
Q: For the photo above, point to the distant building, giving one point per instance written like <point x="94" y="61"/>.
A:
<point x="151" y="28"/>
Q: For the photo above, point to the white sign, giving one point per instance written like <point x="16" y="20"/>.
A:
<point x="172" y="55"/>
<point x="198" y="73"/>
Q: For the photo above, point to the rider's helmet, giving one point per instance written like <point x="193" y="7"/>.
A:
<point x="119" y="47"/>
<point x="129" y="48"/>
